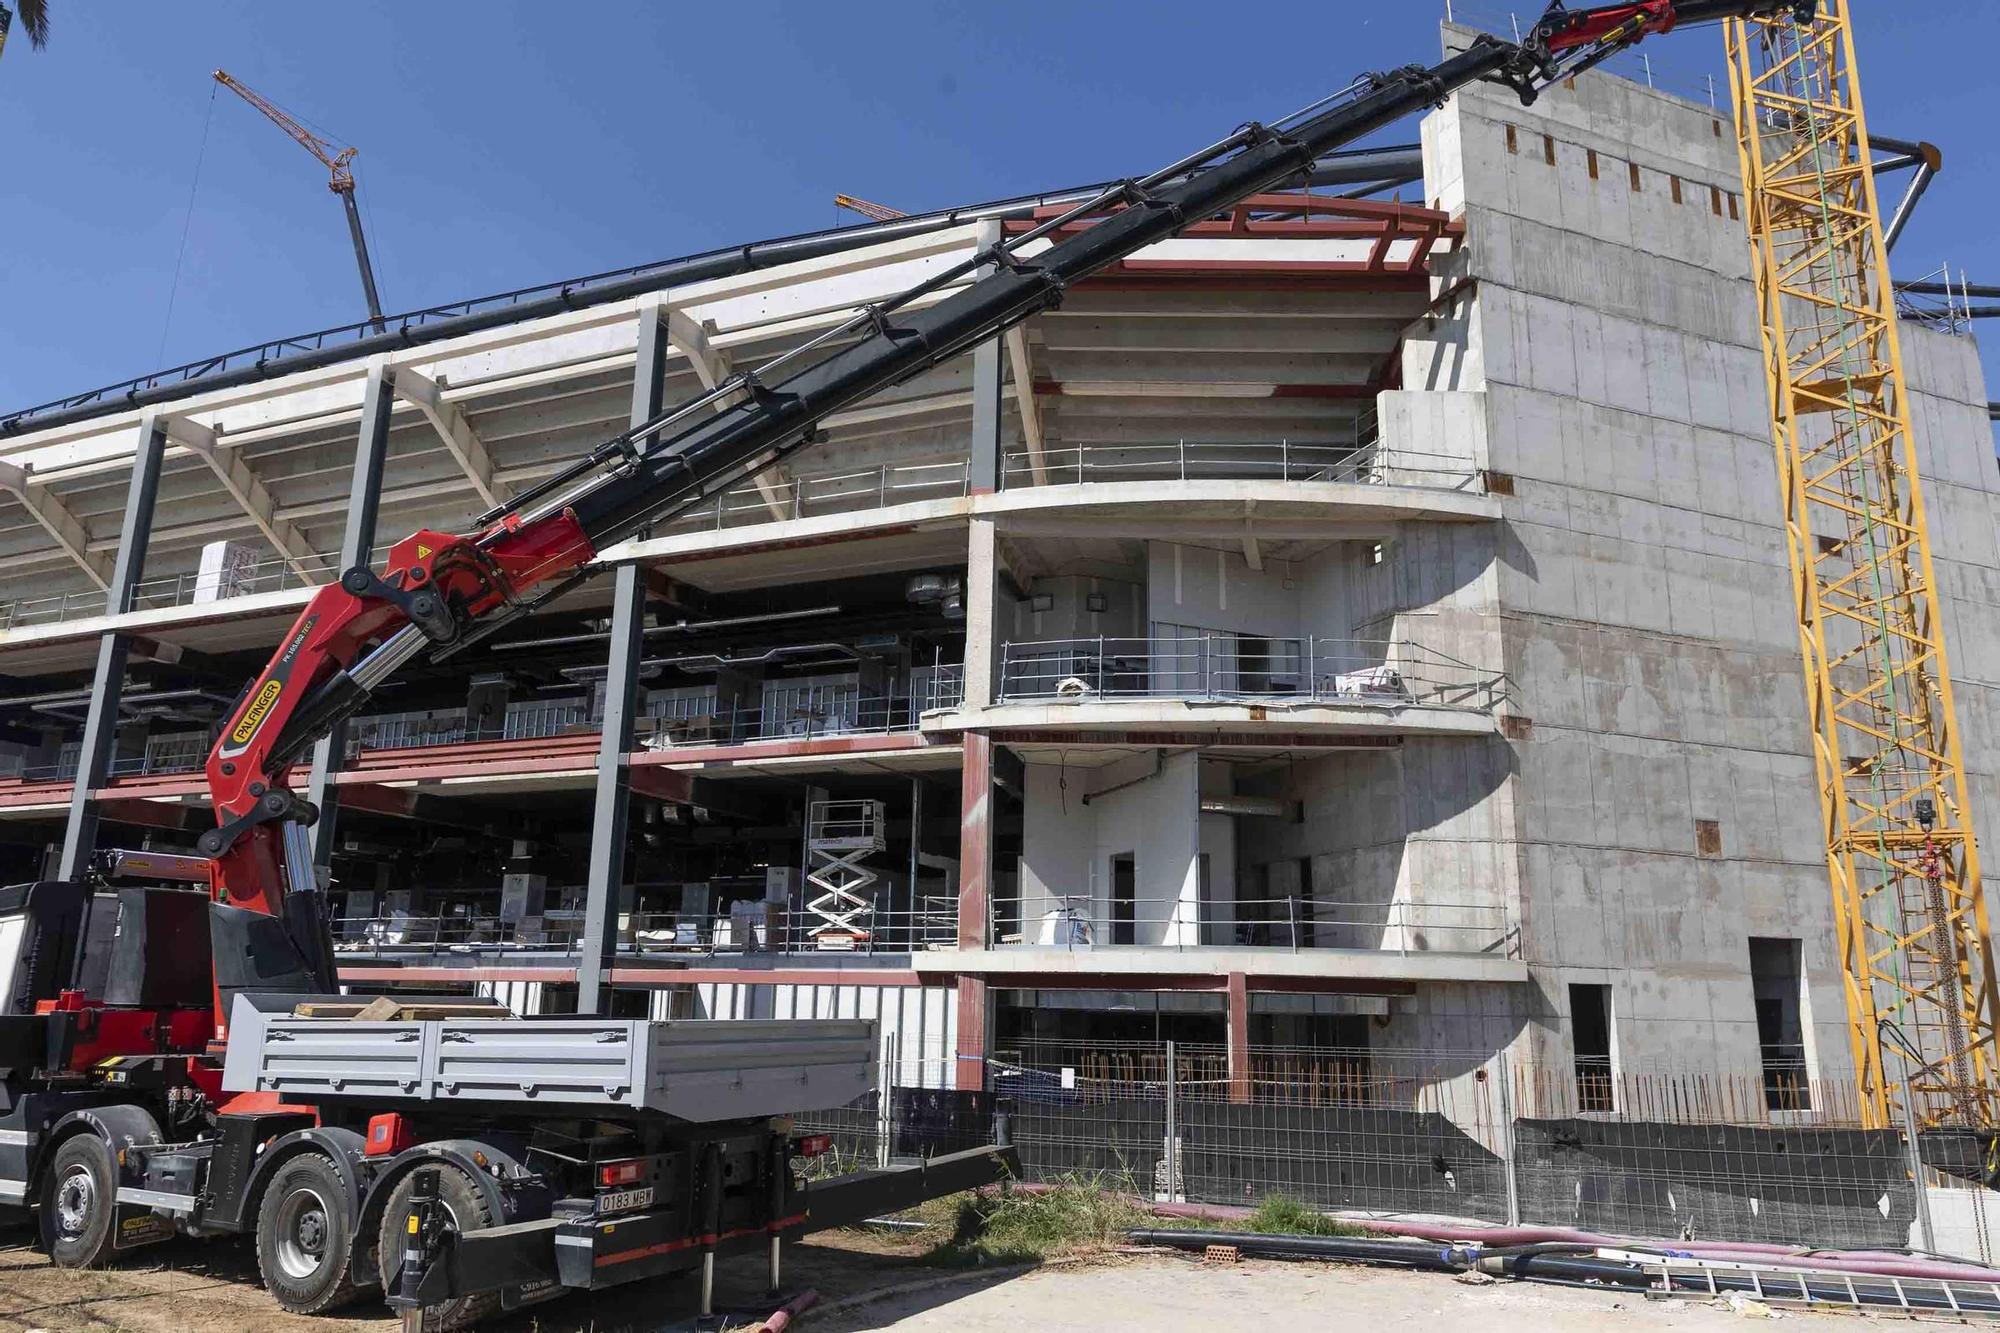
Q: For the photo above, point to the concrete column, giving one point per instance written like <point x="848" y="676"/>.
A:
<point x="983" y="474"/>
<point x="975" y="842"/>
<point x="604" y="882"/>
<point x="982" y="627"/>
<point x="357" y="546"/>
<point x="100" y="726"/>
<point x="1238" y="1036"/>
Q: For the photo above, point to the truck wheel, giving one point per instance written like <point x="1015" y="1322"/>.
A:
<point x="465" y="1205"/>
<point x="79" y="1202"/>
<point x="305" y="1236"/>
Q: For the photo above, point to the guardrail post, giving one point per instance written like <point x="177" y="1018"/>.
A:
<point x="1173" y="1132"/>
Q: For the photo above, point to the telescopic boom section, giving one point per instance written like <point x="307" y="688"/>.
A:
<point x="440" y="593"/>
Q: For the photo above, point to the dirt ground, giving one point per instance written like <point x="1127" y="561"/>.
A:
<point x="213" y="1287"/>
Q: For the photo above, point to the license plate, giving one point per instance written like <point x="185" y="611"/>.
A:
<point x="618" y="1201"/>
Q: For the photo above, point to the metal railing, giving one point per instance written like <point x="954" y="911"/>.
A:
<point x="1220" y="668"/>
<point x="804" y="495"/>
<point x="1366" y="464"/>
<point x="1399" y="926"/>
<point x="818" y="710"/>
<point x="409" y="936"/>
<point x="271" y="574"/>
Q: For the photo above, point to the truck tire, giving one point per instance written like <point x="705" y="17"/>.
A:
<point x="305" y="1236"/>
<point x="465" y="1204"/>
<point x="79" y="1202"/>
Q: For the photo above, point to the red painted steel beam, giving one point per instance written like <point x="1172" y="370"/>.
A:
<point x="667" y="975"/>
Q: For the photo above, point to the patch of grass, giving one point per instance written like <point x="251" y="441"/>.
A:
<point x="1278" y="1216"/>
<point x="1071" y="1215"/>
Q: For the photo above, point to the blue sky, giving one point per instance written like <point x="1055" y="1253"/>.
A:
<point x="506" y="144"/>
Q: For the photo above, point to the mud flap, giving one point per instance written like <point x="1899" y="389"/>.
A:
<point x="136" y="1226"/>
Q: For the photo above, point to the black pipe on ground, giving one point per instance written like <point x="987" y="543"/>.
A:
<point x="1427" y="1255"/>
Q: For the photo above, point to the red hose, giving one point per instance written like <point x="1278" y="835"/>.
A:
<point x="781" y="1319"/>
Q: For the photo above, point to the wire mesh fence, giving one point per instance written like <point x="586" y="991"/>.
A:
<point x="1709" y="1154"/>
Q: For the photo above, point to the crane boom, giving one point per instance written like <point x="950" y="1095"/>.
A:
<point x="441" y="593"/>
<point x="339" y="163"/>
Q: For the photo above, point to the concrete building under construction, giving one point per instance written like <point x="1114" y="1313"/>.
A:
<point x="1353" y="627"/>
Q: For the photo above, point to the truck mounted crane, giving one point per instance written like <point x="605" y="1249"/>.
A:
<point x="195" y="1071"/>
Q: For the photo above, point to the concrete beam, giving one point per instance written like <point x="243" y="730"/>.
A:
<point x="247" y="489"/>
<point x="1203" y="529"/>
<point x="712" y="366"/>
<point x="46" y="508"/>
<point x="460" y="440"/>
<point x="1021" y="366"/>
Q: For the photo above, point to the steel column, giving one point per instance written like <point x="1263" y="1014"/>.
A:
<point x="983" y="472"/>
<point x="357" y="547"/>
<point x="100" y="727"/>
<point x="604" y="882"/>
<point x="973" y="1022"/>
<point x="975" y="908"/>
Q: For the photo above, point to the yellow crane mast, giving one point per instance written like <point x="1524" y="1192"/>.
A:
<point x="1908" y="905"/>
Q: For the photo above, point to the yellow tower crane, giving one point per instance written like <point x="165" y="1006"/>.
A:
<point x="1908" y="906"/>
<point x="336" y="160"/>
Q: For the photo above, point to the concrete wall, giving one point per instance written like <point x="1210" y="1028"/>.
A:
<point x="1217" y="590"/>
<point x="1639" y="580"/>
<point x="1067" y="845"/>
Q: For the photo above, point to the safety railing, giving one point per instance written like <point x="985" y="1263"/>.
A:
<point x="412" y="936"/>
<point x="269" y="574"/>
<point x="1366" y="464"/>
<point x="805" y="495"/>
<point x="1222" y="668"/>
<point x="806" y="713"/>
<point x="1297" y="924"/>
<point x="800" y="714"/>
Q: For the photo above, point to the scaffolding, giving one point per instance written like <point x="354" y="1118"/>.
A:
<point x="1908" y="906"/>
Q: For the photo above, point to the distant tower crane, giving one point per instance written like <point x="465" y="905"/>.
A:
<point x="879" y="212"/>
<point x="335" y="160"/>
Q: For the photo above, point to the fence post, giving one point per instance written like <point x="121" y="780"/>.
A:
<point x="1925" y="1228"/>
<point x="1173" y="1131"/>
<point x="1508" y="1144"/>
<point x="885" y="1109"/>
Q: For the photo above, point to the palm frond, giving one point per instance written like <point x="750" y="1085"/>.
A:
<point x="34" y="16"/>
